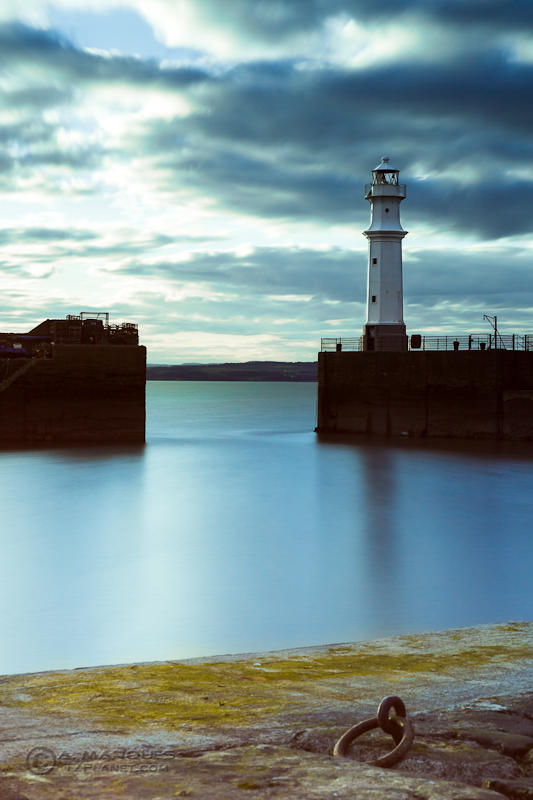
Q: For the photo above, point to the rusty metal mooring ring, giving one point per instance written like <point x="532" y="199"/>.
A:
<point x="399" y="727"/>
<point x="387" y="723"/>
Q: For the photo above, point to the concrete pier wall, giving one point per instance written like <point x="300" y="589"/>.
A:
<point x="83" y="394"/>
<point x="464" y="394"/>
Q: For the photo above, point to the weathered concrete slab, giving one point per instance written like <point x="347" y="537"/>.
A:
<point x="264" y="725"/>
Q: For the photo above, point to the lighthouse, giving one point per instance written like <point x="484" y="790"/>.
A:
<point x="384" y="328"/>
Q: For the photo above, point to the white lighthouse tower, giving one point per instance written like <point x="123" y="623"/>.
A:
<point x="385" y="328"/>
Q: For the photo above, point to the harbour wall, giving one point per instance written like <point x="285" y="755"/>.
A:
<point x="464" y="394"/>
<point x="82" y="394"/>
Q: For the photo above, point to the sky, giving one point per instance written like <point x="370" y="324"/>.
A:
<point x="197" y="166"/>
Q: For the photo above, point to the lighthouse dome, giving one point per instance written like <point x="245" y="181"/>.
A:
<point x="385" y="166"/>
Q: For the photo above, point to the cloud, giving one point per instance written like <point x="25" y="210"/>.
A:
<point x="46" y="48"/>
<point x="133" y="181"/>
<point x="266" y="271"/>
<point x="486" y="276"/>
<point x="41" y="235"/>
<point x="357" y="31"/>
<point x="336" y="278"/>
<point x="275" y="28"/>
<point x="280" y="142"/>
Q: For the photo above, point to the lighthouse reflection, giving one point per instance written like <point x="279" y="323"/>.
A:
<point x="441" y="531"/>
<point x="384" y="586"/>
<point x="376" y="572"/>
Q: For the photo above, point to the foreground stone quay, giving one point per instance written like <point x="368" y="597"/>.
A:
<point x="264" y="725"/>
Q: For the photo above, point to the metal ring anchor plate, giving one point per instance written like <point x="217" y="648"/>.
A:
<point x="399" y="727"/>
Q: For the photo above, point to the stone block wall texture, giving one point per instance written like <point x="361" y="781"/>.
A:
<point x="84" y="394"/>
<point x="463" y="394"/>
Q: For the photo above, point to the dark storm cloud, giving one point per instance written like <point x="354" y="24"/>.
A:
<point x="484" y="276"/>
<point x="32" y="143"/>
<point x="268" y="270"/>
<point x="491" y="209"/>
<point x="6" y="165"/>
<point x="80" y="158"/>
<point x="264" y="186"/>
<point x="67" y="244"/>
<point x="480" y="90"/>
<point x="49" y="59"/>
<point x="127" y="243"/>
<point x="247" y="314"/>
<point x="38" y="98"/>
<point x="58" y="243"/>
<point x="275" y="140"/>
<point x="509" y="15"/>
<point x="335" y="280"/>
<point x="270" y="21"/>
<point x="47" y="49"/>
<point x="324" y="108"/>
<point x="279" y="141"/>
<point x="28" y="130"/>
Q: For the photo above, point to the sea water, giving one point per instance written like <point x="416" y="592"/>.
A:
<point x="236" y="529"/>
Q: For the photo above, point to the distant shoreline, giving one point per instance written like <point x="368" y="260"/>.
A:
<point x="298" y="371"/>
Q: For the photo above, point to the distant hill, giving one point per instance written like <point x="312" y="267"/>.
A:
<point x="248" y="371"/>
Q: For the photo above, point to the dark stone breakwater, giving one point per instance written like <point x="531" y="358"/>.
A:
<point x="465" y="395"/>
<point x="81" y="394"/>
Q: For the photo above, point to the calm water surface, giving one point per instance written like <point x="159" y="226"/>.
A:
<point x="235" y="529"/>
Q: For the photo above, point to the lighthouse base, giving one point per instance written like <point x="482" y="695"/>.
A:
<point x="384" y="336"/>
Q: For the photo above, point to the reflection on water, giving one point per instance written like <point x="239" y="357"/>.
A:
<point x="237" y="529"/>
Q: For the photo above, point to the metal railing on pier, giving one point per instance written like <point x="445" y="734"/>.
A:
<point x="332" y="344"/>
<point x="471" y="341"/>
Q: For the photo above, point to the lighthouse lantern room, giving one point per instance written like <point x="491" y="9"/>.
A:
<point x="384" y="328"/>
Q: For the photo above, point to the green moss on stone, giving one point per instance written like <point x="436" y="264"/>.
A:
<point x="220" y="693"/>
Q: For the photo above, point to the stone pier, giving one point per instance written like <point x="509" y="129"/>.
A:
<point x="264" y="725"/>
<point x="464" y="394"/>
<point x="82" y="394"/>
